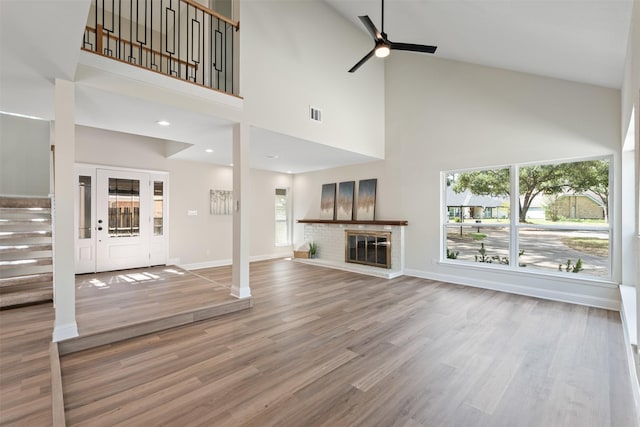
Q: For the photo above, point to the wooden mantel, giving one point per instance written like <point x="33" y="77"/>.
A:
<point x="400" y="223"/>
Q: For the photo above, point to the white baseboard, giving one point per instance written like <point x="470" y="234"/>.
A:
<point x="225" y="262"/>
<point x="629" y="312"/>
<point x="626" y="318"/>
<point x="240" y="292"/>
<point x="573" y="298"/>
<point x="268" y="257"/>
<point x="353" y="268"/>
<point x="206" y="264"/>
<point x="64" y="332"/>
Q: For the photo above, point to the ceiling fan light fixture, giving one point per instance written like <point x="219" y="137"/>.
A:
<point x="382" y="51"/>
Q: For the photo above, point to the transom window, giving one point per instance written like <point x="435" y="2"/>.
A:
<point x="551" y="217"/>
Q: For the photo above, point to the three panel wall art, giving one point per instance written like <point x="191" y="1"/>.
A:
<point x="341" y="206"/>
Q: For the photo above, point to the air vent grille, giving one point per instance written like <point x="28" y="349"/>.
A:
<point x="315" y="114"/>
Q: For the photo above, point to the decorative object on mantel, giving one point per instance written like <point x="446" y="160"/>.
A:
<point x="328" y="201"/>
<point x="221" y="202"/>
<point x="344" y="206"/>
<point x="303" y="251"/>
<point x="367" y="199"/>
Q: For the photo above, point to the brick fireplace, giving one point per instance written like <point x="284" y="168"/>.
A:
<point x="332" y="240"/>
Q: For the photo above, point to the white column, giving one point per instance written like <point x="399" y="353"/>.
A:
<point x="63" y="242"/>
<point x="241" y="205"/>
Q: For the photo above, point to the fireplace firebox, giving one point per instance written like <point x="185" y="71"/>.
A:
<point x="368" y="247"/>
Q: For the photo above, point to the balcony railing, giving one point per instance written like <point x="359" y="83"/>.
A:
<point x="179" y="38"/>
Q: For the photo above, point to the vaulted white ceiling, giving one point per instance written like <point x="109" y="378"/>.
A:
<point x="578" y="40"/>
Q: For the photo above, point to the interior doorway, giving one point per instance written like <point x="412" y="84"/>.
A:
<point x="121" y="219"/>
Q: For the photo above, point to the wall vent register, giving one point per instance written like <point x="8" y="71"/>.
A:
<point x="368" y="247"/>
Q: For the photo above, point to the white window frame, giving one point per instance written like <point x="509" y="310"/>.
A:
<point x="515" y="226"/>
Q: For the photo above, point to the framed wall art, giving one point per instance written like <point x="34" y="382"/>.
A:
<point x="328" y="201"/>
<point x="221" y="202"/>
<point x="367" y="200"/>
<point x="344" y="205"/>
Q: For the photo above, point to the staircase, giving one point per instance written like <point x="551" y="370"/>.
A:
<point x="25" y="251"/>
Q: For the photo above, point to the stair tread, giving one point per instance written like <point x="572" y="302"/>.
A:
<point x="6" y="235"/>
<point x="27" y="262"/>
<point x="24" y="202"/>
<point x="25" y="297"/>
<point x="27" y="247"/>
<point x="22" y="221"/>
<point x="26" y="279"/>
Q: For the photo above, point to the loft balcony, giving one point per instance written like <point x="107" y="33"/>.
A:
<point x="179" y="38"/>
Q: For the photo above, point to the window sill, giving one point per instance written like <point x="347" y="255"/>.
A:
<point x="494" y="268"/>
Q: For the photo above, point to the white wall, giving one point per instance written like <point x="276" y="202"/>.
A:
<point x="199" y="240"/>
<point x="630" y="100"/>
<point x="314" y="48"/>
<point x="444" y="115"/>
<point x="631" y="82"/>
<point x="24" y="156"/>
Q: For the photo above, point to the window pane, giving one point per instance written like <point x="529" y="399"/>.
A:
<point x="478" y="244"/>
<point x="158" y="206"/>
<point x="575" y="193"/>
<point x="478" y="196"/>
<point x="84" y="207"/>
<point x="124" y="207"/>
<point x="281" y="217"/>
<point x="474" y="199"/>
<point x="555" y="250"/>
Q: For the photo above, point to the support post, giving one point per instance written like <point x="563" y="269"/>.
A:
<point x="63" y="212"/>
<point x="241" y="205"/>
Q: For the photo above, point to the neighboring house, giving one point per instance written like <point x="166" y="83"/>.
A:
<point x="466" y="205"/>
<point x="580" y="206"/>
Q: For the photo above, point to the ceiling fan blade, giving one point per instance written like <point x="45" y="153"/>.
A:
<point x="414" y="47"/>
<point x="362" y="61"/>
<point x="369" y="25"/>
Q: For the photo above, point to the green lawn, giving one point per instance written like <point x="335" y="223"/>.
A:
<point x="589" y="245"/>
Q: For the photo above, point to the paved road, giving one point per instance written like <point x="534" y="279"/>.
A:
<point x="543" y="248"/>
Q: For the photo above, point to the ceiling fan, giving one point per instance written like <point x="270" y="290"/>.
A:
<point x="384" y="45"/>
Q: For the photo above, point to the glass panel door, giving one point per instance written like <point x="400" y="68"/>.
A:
<point x="123" y="219"/>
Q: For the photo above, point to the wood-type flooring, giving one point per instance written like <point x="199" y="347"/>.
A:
<point x="111" y="300"/>
<point x="25" y="373"/>
<point x="323" y="347"/>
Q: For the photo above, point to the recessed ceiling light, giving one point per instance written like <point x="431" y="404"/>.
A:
<point x="272" y="156"/>
<point x="231" y="164"/>
<point x="209" y="150"/>
<point x="163" y="123"/>
<point x="289" y="172"/>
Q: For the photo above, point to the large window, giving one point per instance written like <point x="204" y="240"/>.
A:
<point x="553" y="217"/>
<point x="282" y="217"/>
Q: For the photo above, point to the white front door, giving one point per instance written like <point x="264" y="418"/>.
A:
<point x="123" y="220"/>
